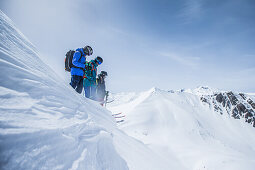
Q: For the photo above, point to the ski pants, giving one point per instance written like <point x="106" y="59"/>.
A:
<point x="100" y="94"/>
<point x="90" y="92"/>
<point x="77" y="83"/>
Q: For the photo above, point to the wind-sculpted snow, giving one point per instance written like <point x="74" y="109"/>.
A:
<point x="44" y="124"/>
<point x="81" y="146"/>
<point x="178" y="125"/>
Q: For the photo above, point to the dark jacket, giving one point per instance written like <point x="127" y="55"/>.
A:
<point x="101" y="87"/>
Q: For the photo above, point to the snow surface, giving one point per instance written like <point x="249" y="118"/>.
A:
<point x="177" y="125"/>
<point x="45" y="124"/>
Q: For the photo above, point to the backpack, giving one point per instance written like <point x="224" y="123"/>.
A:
<point x="89" y="68"/>
<point x="69" y="59"/>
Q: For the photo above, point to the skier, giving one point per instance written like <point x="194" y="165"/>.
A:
<point x="77" y="72"/>
<point x="89" y="82"/>
<point x="101" y="92"/>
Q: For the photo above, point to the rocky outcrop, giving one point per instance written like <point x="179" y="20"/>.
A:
<point x="238" y="106"/>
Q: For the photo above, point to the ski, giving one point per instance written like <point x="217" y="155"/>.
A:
<point x="107" y="101"/>
<point x="116" y="114"/>
<point x="119" y="116"/>
<point x="119" y="121"/>
<point x="110" y="101"/>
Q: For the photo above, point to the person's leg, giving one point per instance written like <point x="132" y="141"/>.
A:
<point x="87" y="91"/>
<point x="79" y="85"/>
<point x="101" y="97"/>
<point x="98" y="94"/>
<point x="93" y="93"/>
<point x="74" y="81"/>
<point x="86" y="88"/>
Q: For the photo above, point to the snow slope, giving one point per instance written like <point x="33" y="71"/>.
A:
<point x="179" y="125"/>
<point x="45" y="124"/>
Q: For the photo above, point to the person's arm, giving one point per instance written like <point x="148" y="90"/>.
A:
<point x="76" y="58"/>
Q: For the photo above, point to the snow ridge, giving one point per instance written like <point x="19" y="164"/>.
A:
<point x="44" y="124"/>
<point x="180" y="126"/>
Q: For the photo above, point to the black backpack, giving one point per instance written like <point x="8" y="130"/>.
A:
<point x="69" y="59"/>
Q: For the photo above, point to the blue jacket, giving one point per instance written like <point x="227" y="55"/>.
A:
<point x="90" y="75"/>
<point x="78" y="61"/>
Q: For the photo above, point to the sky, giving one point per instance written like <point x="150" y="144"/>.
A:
<point x="147" y="43"/>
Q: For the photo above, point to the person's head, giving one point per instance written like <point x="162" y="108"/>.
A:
<point x="103" y="73"/>
<point x="98" y="60"/>
<point x="88" y="50"/>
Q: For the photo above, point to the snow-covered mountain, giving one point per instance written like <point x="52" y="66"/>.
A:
<point x="237" y="105"/>
<point x="181" y="124"/>
<point x="45" y="124"/>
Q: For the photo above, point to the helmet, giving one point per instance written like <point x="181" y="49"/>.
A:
<point x="99" y="60"/>
<point x="88" y="50"/>
<point x="103" y="73"/>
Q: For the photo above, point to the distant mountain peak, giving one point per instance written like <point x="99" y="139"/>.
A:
<point x="236" y="105"/>
<point x="202" y="90"/>
<point x="155" y="89"/>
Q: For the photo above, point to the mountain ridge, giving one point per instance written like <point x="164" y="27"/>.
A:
<point x="179" y="123"/>
<point x="243" y="103"/>
<point x="45" y="124"/>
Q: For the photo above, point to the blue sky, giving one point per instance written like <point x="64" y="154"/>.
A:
<point x="155" y="43"/>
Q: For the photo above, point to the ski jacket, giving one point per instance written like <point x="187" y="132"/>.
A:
<point x="90" y="74"/>
<point x="79" y="60"/>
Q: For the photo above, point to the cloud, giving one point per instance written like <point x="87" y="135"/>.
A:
<point x="192" y="10"/>
<point x="186" y="61"/>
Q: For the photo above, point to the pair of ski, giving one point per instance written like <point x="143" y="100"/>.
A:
<point x="119" y="117"/>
